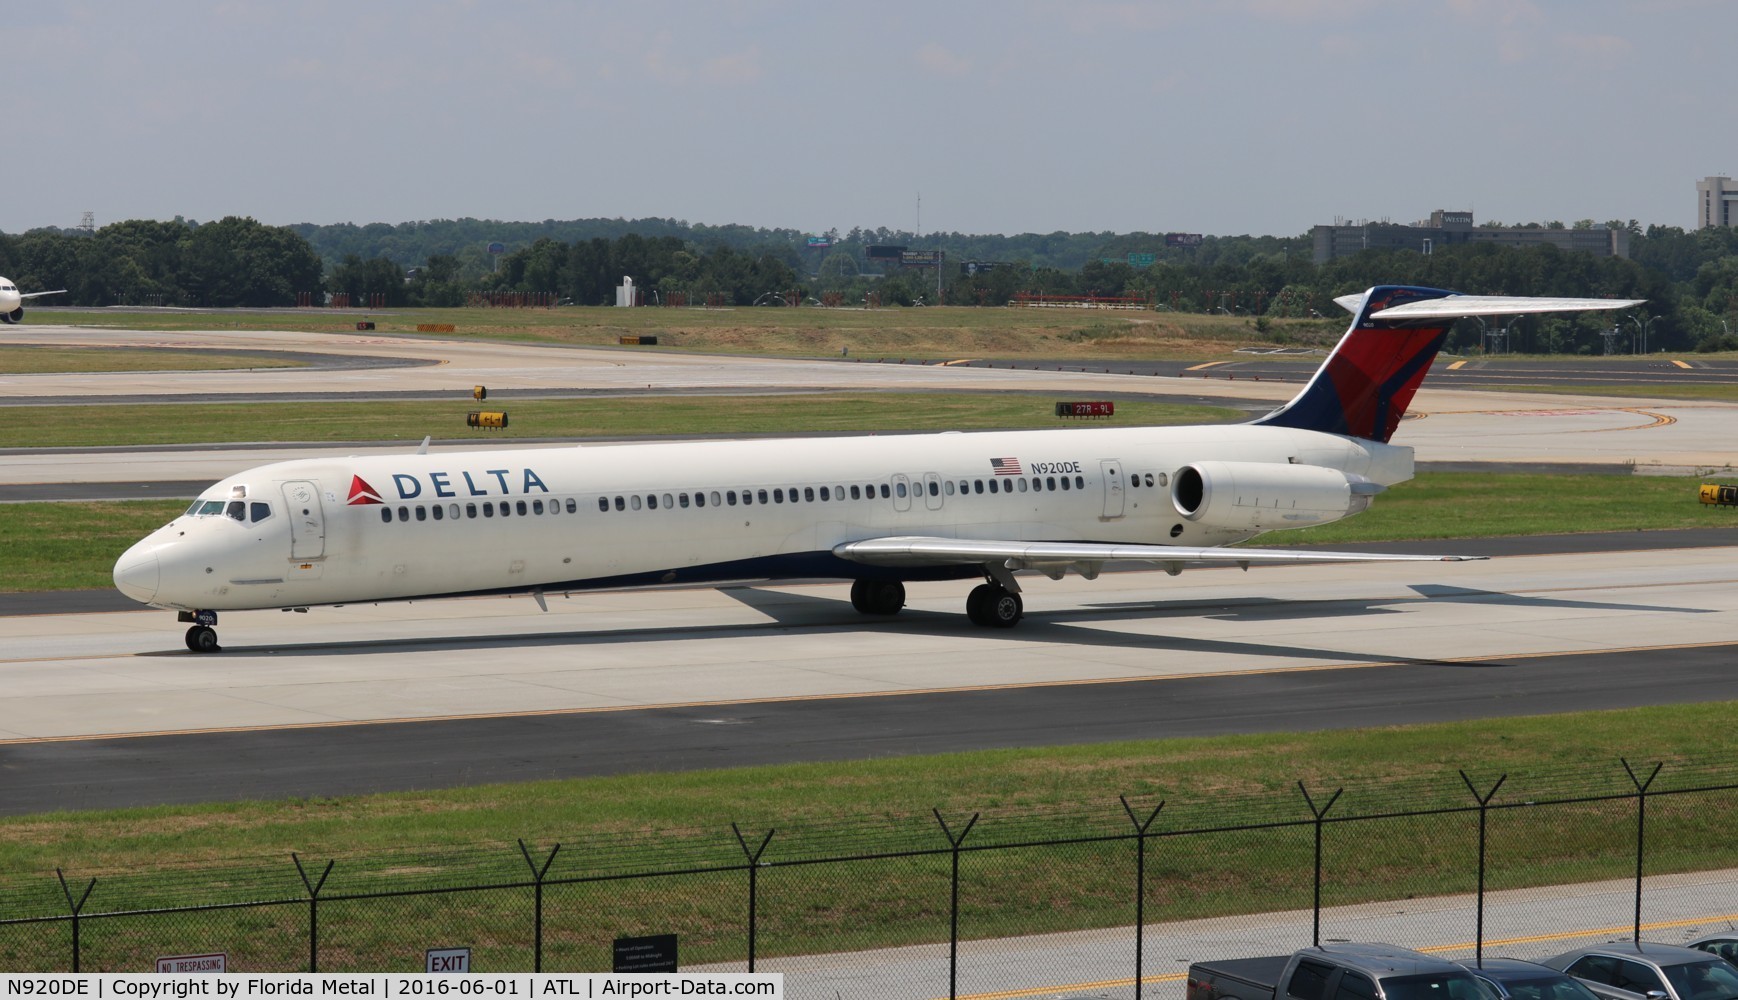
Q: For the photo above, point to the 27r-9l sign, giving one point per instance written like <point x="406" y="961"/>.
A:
<point x="1102" y="408"/>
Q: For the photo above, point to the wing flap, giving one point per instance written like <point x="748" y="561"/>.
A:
<point x="1460" y="306"/>
<point x="911" y="550"/>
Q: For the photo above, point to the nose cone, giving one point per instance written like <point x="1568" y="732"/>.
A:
<point x="137" y="574"/>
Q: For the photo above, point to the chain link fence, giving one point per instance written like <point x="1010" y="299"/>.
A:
<point x="1117" y="898"/>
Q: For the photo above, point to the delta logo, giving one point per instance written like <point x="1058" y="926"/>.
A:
<point x="361" y="493"/>
<point x="442" y="485"/>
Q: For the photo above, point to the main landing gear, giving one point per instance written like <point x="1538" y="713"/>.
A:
<point x="991" y="605"/>
<point x="202" y="637"/>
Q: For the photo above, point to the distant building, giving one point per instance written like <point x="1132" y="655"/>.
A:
<point x="1445" y="228"/>
<point x="1716" y="202"/>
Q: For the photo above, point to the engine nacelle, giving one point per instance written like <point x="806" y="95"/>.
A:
<point x="1262" y="496"/>
<point x="15" y="316"/>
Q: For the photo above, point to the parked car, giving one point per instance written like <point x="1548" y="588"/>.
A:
<point x="1513" y="979"/>
<point x="1725" y="945"/>
<point x="1336" y="972"/>
<point x="1627" y="970"/>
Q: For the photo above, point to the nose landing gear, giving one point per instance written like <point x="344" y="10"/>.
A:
<point x="202" y="637"/>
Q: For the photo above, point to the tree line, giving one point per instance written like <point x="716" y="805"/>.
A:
<point x="1689" y="278"/>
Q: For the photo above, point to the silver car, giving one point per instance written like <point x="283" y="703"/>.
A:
<point x="1724" y="944"/>
<point x="1626" y="970"/>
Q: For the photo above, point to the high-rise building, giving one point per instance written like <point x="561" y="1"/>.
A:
<point x="1716" y="202"/>
<point x="1445" y="228"/>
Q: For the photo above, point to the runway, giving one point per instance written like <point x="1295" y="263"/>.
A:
<point x="461" y="692"/>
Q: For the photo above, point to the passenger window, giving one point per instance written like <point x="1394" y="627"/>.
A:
<point x="421" y="512"/>
<point x="700" y="499"/>
<point x="994" y="488"/>
<point x="1065" y="482"/>
<point x="386" y="515"/>
<point x="825" y="495"/>
<point x="1050" y="483"/>
<point x="1080" y="482"/>
<point x="730" y="497"/>
<point x="1149" y="479"/>
<point x="520" y="507"/>
<point x="651" y="501"/>
<point x="1037" y="484"/>
<point x="634" y="501"/>
<point x="761" y="497"/>
<point x="621" y="504"/>
<point x="808" y="494"/>
<point x="261" y="511"/>
<point x="838" y="493"/>
<point x="1022" y="485"/>
<point x="716" y="499"/>
<point x="948" y="487"/>
<point x="403" y="514"/>
<point x="683" y="499"/>
<point x="489" y="508"/>
<point x="536" y="506"/>
<point x="778" y="496"/>
<point x="977" y="486"/>
<point x="1638" y="978"/>
<point x="934" y="488"/>
<point x="1310" y="981"/>
<point x="572" y="507"/>
<point x="470" y="510"/>
<point x="885" y="493"/>
<point x="603" y="504"/>
<point x="437" y="511"/>
<point x="237" y="510"/>
<point x="1355" y="987"/>
<point x="453" y="511"/>
<point x="899" y="489"/>
<point x="1163" y="479"/>
<point x="856" y="494"/>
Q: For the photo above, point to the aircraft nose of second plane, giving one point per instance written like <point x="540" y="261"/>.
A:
<point x="137" y="575"/>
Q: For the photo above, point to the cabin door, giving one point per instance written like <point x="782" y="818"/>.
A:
<point x="1113" y="488"/>
<point x="307" y="520"/>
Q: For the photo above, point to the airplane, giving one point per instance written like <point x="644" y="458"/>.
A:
<point x="880" y="511"/>
<point x="12" y="300"/>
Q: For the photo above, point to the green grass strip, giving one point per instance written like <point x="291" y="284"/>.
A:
<point x="218" y="423"/>
<point x="55" y="360"/>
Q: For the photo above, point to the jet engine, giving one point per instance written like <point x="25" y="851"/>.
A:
<point x="15" y="316"/>
<point x="1262" y="496"/>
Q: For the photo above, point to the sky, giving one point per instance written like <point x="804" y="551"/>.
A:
<point x="1211" y="116"/>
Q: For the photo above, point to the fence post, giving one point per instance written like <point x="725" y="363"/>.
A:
<point x="75" y="908"/>
<point x="753" y="883"/>
<point x="313" y="909"/>
<point x="953" y="910"/>
<point x="1640" y="831"/>
<point x="1140" y="881"/>
<point x="1484" y="802"/>
<point x="537" y="881"/>
<point x="1320" y="815"/>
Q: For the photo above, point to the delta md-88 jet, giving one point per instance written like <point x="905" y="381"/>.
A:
<point x="878" y="511"/>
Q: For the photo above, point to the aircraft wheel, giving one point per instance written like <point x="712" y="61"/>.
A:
<point x="995" y="607"/>
<point x="877" y="597"/>
<point x="202" y="639"/>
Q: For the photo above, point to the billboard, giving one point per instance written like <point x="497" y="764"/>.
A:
<point x="885" y="252"/>
<point x="1182" y="239"/>
<point x="920" y="258"/>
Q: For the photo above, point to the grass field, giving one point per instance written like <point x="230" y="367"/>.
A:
<point x="934" y="333"/>
<point x="23" y="360"/>
<point x="190" y="423"/>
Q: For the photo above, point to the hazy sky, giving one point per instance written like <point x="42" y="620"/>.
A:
<point x="1214" y="116"/>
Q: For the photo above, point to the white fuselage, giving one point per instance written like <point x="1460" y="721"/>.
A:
<point x="310" y="532"/>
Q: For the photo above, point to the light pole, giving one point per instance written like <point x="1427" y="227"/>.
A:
<point x="1642" y="329"/>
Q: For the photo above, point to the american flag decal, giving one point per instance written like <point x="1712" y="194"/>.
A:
<point x="1005" y="466"/>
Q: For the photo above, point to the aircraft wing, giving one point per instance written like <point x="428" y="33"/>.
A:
<point x="33" y="295"/>
<point x="1052" y="558"/>
<point x="1457" y="306"/>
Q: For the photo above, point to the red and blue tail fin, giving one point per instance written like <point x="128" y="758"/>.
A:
<point x="1364" y="387"/>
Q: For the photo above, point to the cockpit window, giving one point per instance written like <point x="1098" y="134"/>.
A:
<point x="210" y="507"/>
<point x="236" y="510"/>
<point x="260" y="511"/>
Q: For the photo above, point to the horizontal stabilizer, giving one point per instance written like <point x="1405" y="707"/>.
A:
<point x="918" y="551"/>
<point x="1461" y="306"/>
